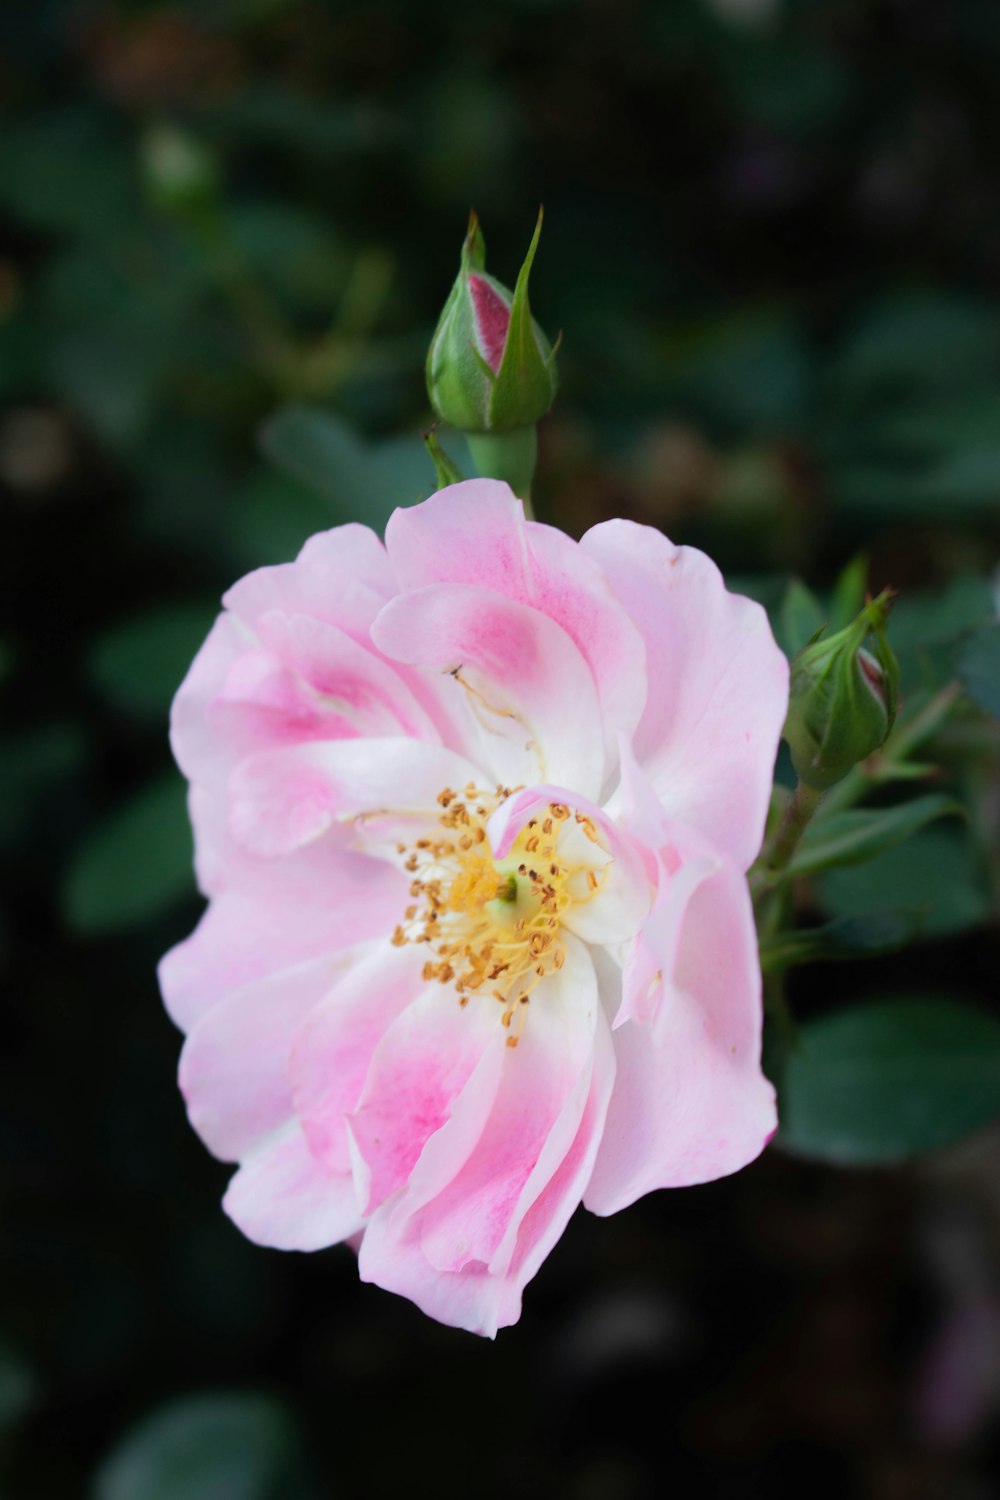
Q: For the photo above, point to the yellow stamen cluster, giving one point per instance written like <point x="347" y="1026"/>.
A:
<point x="492" y="928"/>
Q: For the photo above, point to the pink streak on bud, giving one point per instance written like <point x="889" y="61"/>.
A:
<point x="492" y="320"/>
<point x="872" y="673"/>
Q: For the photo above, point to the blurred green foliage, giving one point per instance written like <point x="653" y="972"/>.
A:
<point x="226" y="231"/>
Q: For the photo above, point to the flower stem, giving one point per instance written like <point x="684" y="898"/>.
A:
<point x="800" y="808"/>
<point x="510" y="456"/>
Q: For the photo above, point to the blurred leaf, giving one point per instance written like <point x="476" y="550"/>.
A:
<point x="860" y="936"/>
<point x="847" y="838"/>
<point x="271" y="518"/>
<point x="801" y="616"/>
<point x="65" y="173"/>
<point x="961" y="486"/>
<point x="849" y="592"/>
<point x="360" y="481"/>
<point x="935" y="876"/>
<point x="30" y="765"/>
<point x="218" y="1446"/>
<point x="323" y="127"/>
<point x="965" y="479"/>
<point x="790" y="87"/>
<point x="135" y="865"/>
<point x="117" y="328"/>
<point x="930" y="339"/>
<point x="923" y="628"/>
<point x="292" y="252"/>
<point x="926" y="427"/>
<point x="752" y="375"/>
<point x="888" y="1080"/>
<point x="978" y="663"/>
<point x="19" y="1388"/>
<point x="138" y="664"/>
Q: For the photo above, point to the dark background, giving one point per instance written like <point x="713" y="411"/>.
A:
<point x="772" y="240"/>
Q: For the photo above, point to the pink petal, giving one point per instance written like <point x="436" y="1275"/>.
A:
<point x="270" y="917"/>
<point x="419" y="1068"/>
<point x="355" y="550"/>
<point x="718" y="684"/>
<point x="544" y="1221"/>
<point x="690" y="1102"/>
<point x="360" y="684"/>
<point x="282" y="1197"/>
<point x="476" y="533"/>
<point x="332" y="594"/>
<point x="534" y="714"/>
<point x="233" y="1069"/>
<point x="480" y="1174"/>
<point x="284" y="799"/>
<point x="331" y="1053"/>
<point x="196" y="748"/>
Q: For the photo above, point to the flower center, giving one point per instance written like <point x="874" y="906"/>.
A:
<point x="494" y="926"/>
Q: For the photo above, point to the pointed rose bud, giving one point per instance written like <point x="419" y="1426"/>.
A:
<point x="490" y="367"/>
<point x="843" y="698"/>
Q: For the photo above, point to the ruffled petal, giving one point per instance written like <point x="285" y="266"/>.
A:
<point x="690" y="1101"/>
<point x="718" y="684"/>
<point x="345" y="676"/>
<point x="475" y="533"/>
<point x="352" y="549"/>
<point x="332" y="594"/>
<point x="483" y="1170"/>
<point x="284" y="799"/>
<point x="532" y="708"/>
<point x="269" y="916"/>
<point x="331" y="1053"/>
<point x="234" y="1065"/>
<point x="419" y="1068"/>
<point x="284" y="1198"/>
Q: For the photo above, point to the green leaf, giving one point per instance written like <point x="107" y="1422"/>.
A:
<point x="888" y="1080"/>
<point x="359" y="481"/>
<point x="135" y="865"/>
<point x="978" y="663"/>
<point x="138" y="665"/>
<point x="860" y="936"/>
<point x="848" y="838"/>
<point x="936" y="876"/>
<point x="213" y="1447"/>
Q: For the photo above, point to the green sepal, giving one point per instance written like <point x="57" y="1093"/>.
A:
<point x="525" y="384"/>
<point x="445" y="468"/>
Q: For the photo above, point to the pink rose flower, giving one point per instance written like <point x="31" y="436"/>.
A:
<point x="473" y="811"/>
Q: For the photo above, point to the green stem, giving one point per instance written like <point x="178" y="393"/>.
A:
<point x="800" y="808"/>
<point x="509" y="456"/>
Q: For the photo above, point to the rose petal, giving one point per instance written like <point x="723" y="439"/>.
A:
<point x="718" y="685"/>
<point x="282" y="1197"/>
<point x="533" y="710"/>
<point x="475" y="533"/>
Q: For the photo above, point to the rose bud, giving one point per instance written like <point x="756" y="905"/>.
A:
<point x="490" y="368"/>
<point x="843" y="698"/>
